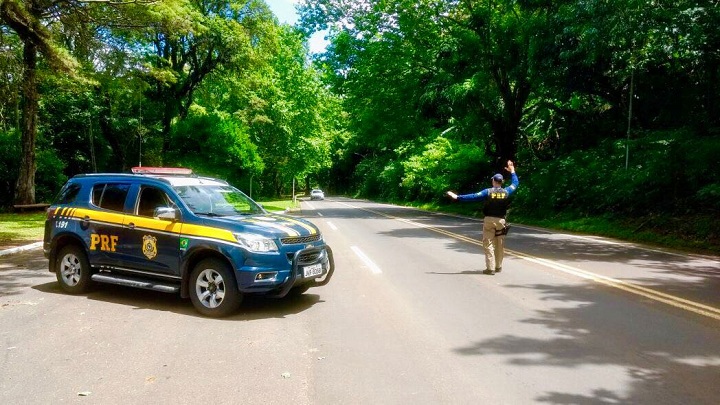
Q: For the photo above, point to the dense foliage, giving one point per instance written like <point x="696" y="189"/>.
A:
<point x="608" y="107"/>
<point x="215" y="85"/>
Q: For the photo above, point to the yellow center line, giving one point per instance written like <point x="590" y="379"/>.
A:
<point x="678" y="302"/>
<point x="672" y="300"/>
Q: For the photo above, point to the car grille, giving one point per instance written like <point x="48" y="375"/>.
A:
<point x="296" y="240"/>
<point x="305" y="257"/>
<point x="308" y="257"/>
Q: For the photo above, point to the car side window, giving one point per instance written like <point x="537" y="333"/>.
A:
<point x="110" y="196"/>
<point x="150" y="199"/>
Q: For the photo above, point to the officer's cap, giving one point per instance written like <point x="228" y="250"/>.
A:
<point x="498" y="177"/>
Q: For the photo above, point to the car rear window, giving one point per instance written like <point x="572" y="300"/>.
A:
<point x="110" y="196"/>
<point x="68" y="194"/>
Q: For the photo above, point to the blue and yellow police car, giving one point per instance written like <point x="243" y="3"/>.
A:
<point x="169" y="230"/>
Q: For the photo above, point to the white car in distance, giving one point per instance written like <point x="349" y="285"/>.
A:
<point x="317" y="194"/>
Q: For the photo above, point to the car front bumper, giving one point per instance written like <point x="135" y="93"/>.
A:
<point x="278" y="283"/>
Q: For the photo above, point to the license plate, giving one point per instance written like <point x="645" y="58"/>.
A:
<point x="312" y="271"/>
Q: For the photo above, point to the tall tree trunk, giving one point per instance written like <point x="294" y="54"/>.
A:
<point x="108" y="133"/>
<point x="506" y="124"/>
<point x="277" y="184"/>
<point x="506" y="130"/>
<point x="25" y="187"/>
<point x="712" y="97"/>
<point x="505" y="135"/>
<point x="170" y="111"/>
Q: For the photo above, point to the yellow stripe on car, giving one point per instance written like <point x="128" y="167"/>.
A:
<point x="268" y="222"/>
<point x="96" y="215"/>
<point x="180" y="228"/>
<point x="297" y="222"/>
<point x="208" y="232"/>
<point x="154" y="224"/>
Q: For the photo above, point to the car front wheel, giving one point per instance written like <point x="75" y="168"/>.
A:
<point x="213" y="290"/>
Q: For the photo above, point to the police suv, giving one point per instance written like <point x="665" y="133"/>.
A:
<point x="166" y="229"/>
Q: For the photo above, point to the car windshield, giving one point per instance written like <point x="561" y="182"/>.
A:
<point x="217" y="200"/>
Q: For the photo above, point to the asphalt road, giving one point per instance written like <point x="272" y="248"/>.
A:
<point x="408" y="318"/>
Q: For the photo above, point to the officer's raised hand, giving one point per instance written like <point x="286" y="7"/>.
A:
<point x="510" y="166"/>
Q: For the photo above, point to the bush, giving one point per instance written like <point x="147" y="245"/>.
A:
<point x="49" y="177"/>
<point x="709" y="196"/>
<point x="378" y="177"/>
<point x="669" y="172"/>
<point x="440" y="165"/>
<point x="227" y="150"/>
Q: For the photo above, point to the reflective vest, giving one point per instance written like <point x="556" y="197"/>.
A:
<point x="497" y="203"/>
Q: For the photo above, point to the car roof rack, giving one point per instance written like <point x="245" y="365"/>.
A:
<point x="162" y="171"/>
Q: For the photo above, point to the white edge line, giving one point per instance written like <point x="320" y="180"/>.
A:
<point x="373" y="267"/>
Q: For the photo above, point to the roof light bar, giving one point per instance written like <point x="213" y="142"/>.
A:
<point x="162" y="170"/>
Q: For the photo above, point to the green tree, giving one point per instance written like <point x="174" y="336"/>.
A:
<point x="288" y="112"/>
<point x="226" y="136"/>
<point x="379" y="60"/>
<point x="11" y="66"/>
<point x="30" y="21"/>
<point x="213" y="35"/>
<point x="25" y="19"/>
<point x="466" y="63"/>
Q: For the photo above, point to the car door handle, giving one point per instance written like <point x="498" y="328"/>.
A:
<point x="85" y="223"/>
<point x="131" y="225"/>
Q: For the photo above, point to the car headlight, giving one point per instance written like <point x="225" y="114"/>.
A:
<point x="256" y="243"/>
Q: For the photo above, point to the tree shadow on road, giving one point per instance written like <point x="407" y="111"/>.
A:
<point x="668" y="357"/>
<point x="20" y="270"/>
<point x="693" y="277"/>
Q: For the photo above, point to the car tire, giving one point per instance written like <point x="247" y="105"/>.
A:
<point x="213" y="290"/>
<point x="72" y="270"/>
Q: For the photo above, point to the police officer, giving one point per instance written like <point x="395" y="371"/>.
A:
<point x="495" y="209"/>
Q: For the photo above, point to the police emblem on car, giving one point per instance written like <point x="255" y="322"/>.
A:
<point x="149" y="246"/>
<point x="170" y="230"/>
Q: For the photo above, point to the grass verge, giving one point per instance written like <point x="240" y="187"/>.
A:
<point x="280" y="205"/>
<point x="691" y="233"/>
<point x="24" y="227"/>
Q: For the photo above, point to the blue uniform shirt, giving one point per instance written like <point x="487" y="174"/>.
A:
<point x="485" y="193"/>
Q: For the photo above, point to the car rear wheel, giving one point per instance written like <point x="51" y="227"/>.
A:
<point x="72" y="270"/>
<point x="213" y="290"/>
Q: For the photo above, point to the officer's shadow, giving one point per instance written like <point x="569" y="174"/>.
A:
<point x="456" y="273"/>
<point x="252" y="307"/>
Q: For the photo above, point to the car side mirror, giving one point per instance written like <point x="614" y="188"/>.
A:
<point x="167" y="213"/>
